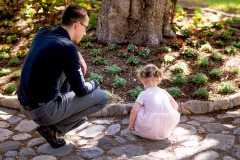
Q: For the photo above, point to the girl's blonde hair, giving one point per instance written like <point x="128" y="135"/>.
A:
<point x="149" y="71"/>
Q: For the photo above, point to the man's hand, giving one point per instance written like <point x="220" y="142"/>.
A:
<point x="83" y="64"/>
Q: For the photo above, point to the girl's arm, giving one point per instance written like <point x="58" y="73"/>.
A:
<point x="133" y="116"/>
<point x="174" y="103"/>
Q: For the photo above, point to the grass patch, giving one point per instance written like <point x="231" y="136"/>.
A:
<point x="232" y="6"/>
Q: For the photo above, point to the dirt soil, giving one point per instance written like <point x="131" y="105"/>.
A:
<point x="121" y="95"/>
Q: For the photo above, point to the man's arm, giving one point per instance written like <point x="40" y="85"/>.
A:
<point x="83" y="64"/>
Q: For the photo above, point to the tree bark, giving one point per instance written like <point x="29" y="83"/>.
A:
<point x="142" y="22"/>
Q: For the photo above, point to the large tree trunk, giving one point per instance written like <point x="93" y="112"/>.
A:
<point x="142" y="22"/>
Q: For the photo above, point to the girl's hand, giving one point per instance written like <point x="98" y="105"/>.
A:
<point x="131" y="127"/>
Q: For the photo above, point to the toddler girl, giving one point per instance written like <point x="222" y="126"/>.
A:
<point x="154" y="114"/>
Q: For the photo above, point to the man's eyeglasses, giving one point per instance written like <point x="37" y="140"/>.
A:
<point x="86" y="27"/>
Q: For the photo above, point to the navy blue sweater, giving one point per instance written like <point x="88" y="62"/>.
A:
<point x="51" y="53"/>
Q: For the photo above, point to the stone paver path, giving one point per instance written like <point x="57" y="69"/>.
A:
<point x="213" y="136"/>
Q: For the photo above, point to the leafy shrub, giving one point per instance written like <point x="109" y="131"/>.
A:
<point x="144" y="52"/>
<point x="235" y="44"/>
<point x="200" y="78"/>
<point x="14" y="61"/>
<point x="93" y="20"/>
<point x="220" y="43"/>
<point x="217" y="56"/>
<point x="135" y="92"/>
<point x="21" y="53"/>
<point x="189" y="52"/>
<point x="181" y="67"/>
<point x="4" y="48"/>
<point x="96" y="52"/>
<point x="11" y="39"/>
<point x="111" y="47"/>
<point x="178" y="79"/>
<point x="133" y="60"/>
<point x="218" y="25"/>
<point x="230" y="50"/>
<point x="216" y="73"/>
<point x="4" y="55"/>
<point x="87" y="39"/>
<point x="17" y="74"/>
<point x="98" y="77"/>
<point x="203" y="61"/>
<point x="114" y="69"/>
<point x="165" y="49"/>
<point x="123" y="53"/>
<point x="167" y="58"/>
<point x="99" y="60"/>
<point x="10" y="88"/>
<point x="225" y="88"/>
<point x="235" y="69"/>
<point x="118" y="82"/>
<point x="206" y="47"/>
<point x="174" y="91"/>
<point x="86" y="45"/>
<point x="109" y="94"/>
<point x="132" y="48"/>
<point x="202" y="93"/>
<point x="226" y="36"/>
<point x="4" y="71"/>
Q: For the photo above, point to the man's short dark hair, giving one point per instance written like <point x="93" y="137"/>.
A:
<point x="72" y="14"/>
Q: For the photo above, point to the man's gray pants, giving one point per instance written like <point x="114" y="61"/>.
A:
<point x="67" y="111"/>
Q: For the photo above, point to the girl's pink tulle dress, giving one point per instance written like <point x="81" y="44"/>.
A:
<point x="156" y="118"/>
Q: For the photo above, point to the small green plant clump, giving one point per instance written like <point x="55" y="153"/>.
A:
<point x="132" y="48"/>
<point x="230" y="50"/>
<point x="17" y="74"/>
<point x="4" y="55"/>
<point x="143" y="52"/>
<point x="118" y="82"/>
<point x="181" y="67"/>
<point x="114" y="69"/>
<point x="226" y="88"/>
<point x="98" y="77"/>
<point x="14" y="61"/>
<point x="200" y="78"/>
<point x="96" y="52"/>
<point x="203" y="61"/>
<point x="133" y="60"/>
<point x="135" y="92"/>
<point x="235" y="69"/>
<point x="202" y="93"/>
<point x="217" y="56"/>
<point x="123" y="53"/>
<point x="220" y="43"/>
<point x="179" y="79"/>
<point x="99" y="60"/>
<point x="10" y="88"/>
<point x="216" y="73"/>
<point x="111" y="47"/>
<point x="206" y="48"/>
<point x="167" y="59"/>
<point x="5" y="71"/>
<point x="174" y="91"/>
<point x="189" y="52"/>
<point x="87" y="45"/>
<point x="165" y="49"/>
<point x="109" y="94"/>
<point x="4" y="48"/>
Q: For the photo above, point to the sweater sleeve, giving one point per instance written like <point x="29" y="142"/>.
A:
<point x="73" y="72"/>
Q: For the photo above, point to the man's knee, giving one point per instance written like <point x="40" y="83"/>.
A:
<point x="104" y="98"/>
